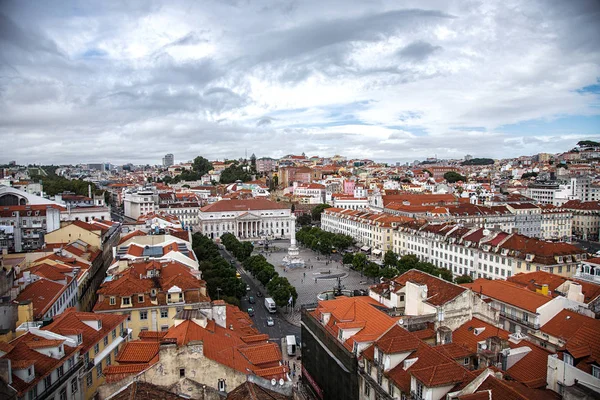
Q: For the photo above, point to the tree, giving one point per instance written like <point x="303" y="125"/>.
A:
<point x="428" y="172"/>
<point x="389" y="273"/>
<point x="527" y="175"/>
<point x="201" y="165"/>
<point x="348" y="257"/>
<point x="478" y="161"/>
<point x="464" y="279"/>
<point x="304" y="219"/>
<point x="318" y="210"/>
<point x="359" y="261"/>
<point x="452" y="177"/>
<point x="445" y="274"/>
<point x="253" y="163"/>
<point x="390" y="259"/>
<point x="372" y="270"/>
<point x="234" y="173"/>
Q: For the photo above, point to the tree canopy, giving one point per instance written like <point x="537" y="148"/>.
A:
<point x="323" y="241"/>
<point x="478" y="161"/>
<point x="201" y="165"/>
<point x="235" y="173"/>
<point x="452" y="177"/>
<point x="318" y="210"/>
<point x="588" y="143"/>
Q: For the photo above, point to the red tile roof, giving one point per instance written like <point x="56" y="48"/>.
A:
<point x="43" y="294"/>
<point x="439" y="291"/>
<point x="534" y="281"/>
<point x="509" y="293"/>
<point x="566" y="324"/>
<point x="244" y="205"/>
<point x="138" y="351"/>
<point x="73" y="321"/>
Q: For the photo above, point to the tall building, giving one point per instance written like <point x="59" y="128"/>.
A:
<point x="168" y="160"/>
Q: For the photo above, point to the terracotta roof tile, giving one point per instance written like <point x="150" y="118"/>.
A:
<point x="138" y="351"/>
<point x="508" y="293"/>
<point x="440" y="291"/>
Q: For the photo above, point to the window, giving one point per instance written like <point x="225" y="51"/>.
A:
<point x="47" y="381"/>
<point x="596" y="371"/>
<point x="127" y="301"/>
<point x="116" y="352"/>
<point x="164" y="313"/>
<point x="113" y="301"/>
<point x="99" y="370"/>
<point x="419" y="390"/>
<point x="89" y="380"/>
<point x="143" y="315"/>
<point x="140" y="298"/>
<point x="568" y="359"/>
<point x="105" y="341"/>
<point x="182" y="372"/>
<point x="114" y="333"/>
<point x="466" y="361"/>
<point x="61" y="371"/>
<point x="29" y="371"/>
<point x="367" y="389"/>
<point x="86" y="358"/>
<point x="74" y="386"/>
<point x="96" y="348"/>
<point x="108" y="360"/>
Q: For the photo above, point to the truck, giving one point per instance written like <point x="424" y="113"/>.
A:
<point x="270" y="305"/>
<point x="290" y="341"/>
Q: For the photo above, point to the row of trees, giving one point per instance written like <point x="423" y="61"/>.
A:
<point x="234" y="173"/>
<point x="394" y="266"/>
<point x="278" y="287"/>
<point x="240" y="250"/>
<point x="322" y="241"/>
<point x="220" y="276"/>
<point x="54" y="184"/>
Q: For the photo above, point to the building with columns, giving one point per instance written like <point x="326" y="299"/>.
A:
<point x="246" y="219"/>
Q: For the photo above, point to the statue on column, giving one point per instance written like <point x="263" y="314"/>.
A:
<point x="293" y="258"/>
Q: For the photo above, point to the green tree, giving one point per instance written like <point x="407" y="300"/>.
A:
<point x="445" y="274"/>
<point x="359" y="261"/>
<point x="372" y="270"/>
<point x="389" y="273"/>
<point x="201" y="165"/>
<point x="318" y="210"/>
<point x="348" y="258"/>
<point x="304" y="220"/>
<point x="452" y="177"/>
<point x="390" y="259"/>
<point x="527" y="175"/>
<point x="234" y="173"/>
<point x="464" y="279"/>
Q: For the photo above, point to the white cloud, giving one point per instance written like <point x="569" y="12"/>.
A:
<point x="118" y="81"/>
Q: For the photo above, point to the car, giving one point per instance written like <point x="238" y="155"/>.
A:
<point x="251" y="300"/>
<point x="259" y="294"/>
<point x="251" y="312"/>
<point x="247" y="288"/>
<point x="270" y="321"/>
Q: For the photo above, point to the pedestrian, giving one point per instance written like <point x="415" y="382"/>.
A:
<point x="315" y="280"/>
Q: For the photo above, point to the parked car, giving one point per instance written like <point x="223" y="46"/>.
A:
<point x="270" y="321"/>
<point x="259" y="294"/>
<point x="251" y="300"/>
<point x="251" y="312"/>
<point x="247" y="288"/>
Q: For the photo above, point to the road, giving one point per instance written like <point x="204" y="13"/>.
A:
<point x="282" y="327"/>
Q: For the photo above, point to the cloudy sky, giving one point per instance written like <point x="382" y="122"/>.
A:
<point x="129" y="81"/>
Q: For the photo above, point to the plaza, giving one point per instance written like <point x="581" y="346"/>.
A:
<point x="317" y="276"/>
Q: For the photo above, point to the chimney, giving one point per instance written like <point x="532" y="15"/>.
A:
<point x="575" y="292"/>
<point x="545" y="289"/>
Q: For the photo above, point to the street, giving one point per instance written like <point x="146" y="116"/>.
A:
<point x="282" y="327"/>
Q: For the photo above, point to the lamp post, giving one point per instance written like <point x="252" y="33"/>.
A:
<point x="219" y="293"/>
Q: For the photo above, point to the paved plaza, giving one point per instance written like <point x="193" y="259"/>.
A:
<point x="319" y="275"/>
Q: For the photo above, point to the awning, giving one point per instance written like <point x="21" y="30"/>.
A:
<point x="365" y="248"/>
<point x="376" y="252"/>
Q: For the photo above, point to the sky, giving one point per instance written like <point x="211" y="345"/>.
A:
<point x="393" y="81"/>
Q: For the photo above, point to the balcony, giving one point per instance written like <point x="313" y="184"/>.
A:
<point x="71" y="373"/>
<point x="520" y="320"/>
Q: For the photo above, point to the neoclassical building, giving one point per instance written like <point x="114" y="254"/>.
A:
<point x="246" y="219"/>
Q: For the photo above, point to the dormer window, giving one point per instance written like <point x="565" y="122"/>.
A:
<point x="79" y="338"/>
<point x="127" y="301"/>
<point x="113" y="301"/>
<point x="140" y="298"/>
<point x="153" y="292"/>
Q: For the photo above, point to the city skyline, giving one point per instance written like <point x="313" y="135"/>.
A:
<point x="390" y="82"/>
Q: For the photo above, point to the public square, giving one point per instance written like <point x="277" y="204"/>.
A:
<point x="319" y="275"/>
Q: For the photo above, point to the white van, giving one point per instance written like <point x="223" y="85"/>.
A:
<point x="290" y="341"/>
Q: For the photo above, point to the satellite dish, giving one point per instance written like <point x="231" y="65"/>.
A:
<point x="484" y="346"/>
<point x="273" y="382"/>
<point x="219" y="311"/>
<point x="401" y="321"/>
<point x="280" y="381"/>
<point x="423" y="294"/>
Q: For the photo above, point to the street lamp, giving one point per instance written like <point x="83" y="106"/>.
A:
<point x="218" y="293"/>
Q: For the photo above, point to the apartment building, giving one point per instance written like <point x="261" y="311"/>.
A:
<point x="43" y="364"/>
<point x="586" y="218"/>
<point x="372" y="231"/>
<point x="521" y="310"/>
<point x="140" y="202"/>
<point x="23" y="227"/>
<point x="99" y="336"/>
<point x="484" y="253"/>
<point x="150" y="293"/>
